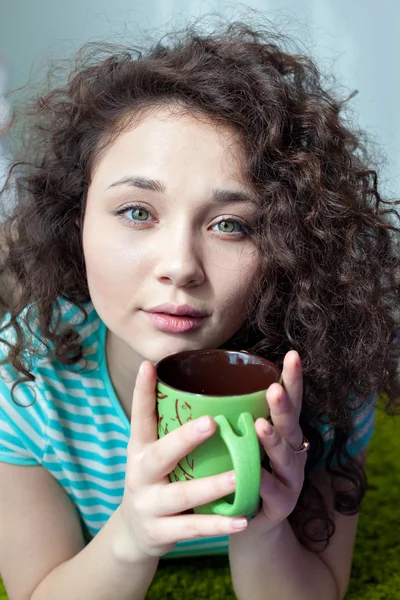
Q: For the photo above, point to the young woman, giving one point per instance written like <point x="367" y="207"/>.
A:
<point x="212" y="174"/>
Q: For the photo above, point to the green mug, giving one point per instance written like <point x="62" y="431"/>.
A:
<point x="229" y="386"/>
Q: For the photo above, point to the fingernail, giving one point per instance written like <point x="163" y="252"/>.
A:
<point x="239" y="523"/>
<point x="268" y="429"/>
<point x="203" y="424"/>
<point x="141" y="369"/>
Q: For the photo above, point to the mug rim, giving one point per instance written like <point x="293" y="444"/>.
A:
<point x="265" y="361"/>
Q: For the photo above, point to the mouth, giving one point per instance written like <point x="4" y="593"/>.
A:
<point x="175" y="323"/>
<point x="183" y="310"/>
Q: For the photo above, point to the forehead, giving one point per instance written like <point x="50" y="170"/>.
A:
<point x="166" y="139"/>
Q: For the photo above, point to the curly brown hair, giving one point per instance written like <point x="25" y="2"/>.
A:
<point x="328" y="284"/>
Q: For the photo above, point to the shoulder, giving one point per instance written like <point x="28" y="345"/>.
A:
<point x="37" y="353"/>
<point x="361" y="425"/>
<point x="65" y="314"/>
<point x="27" y="405"/>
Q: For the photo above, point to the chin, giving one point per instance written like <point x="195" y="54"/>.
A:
<point x="161" y="350"/>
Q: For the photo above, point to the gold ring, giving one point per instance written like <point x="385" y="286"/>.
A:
<point x="305" y="446"/>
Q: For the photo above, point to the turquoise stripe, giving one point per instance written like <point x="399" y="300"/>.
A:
<point x="21" y="438"/>
<point x="63" y="403"/>
<point x="71" y="313"/>
<point x="88" y="455"/>
<point x="81" y="400"/>
<point x="112" y="461"/>
<point x="74" y="418"/>
<point x="17" y="460"/>
<point x="88" y="485"/>
<point x="205" y="552"/>
<point x="88" y="437"/>
<point x="361" y="444"/>
<point x="205" y="540"/>
<point x="98" y="516"/>
<point x="101" y="427"/>
<point x="73" y="468"/>
<point x="369" y="424"/>
<point x="11" y="439"/>
<point x="356" y="447"/>
<point x="200" y="547"/>
<point x="26" y="412"/>
<point x="369" y="427"/>
<point x="88" y="502"/>
<point x="69" y="383"/>
<point x="367" y="415"/>
<point x="86" y="420"/>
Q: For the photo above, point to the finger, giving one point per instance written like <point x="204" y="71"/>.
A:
<point x="161" y="458"/>
<point x="179" y="496"/>
<point x="292" y="379"/>
<point x="278" y="500"/>
<point x="188" y="527"/>
<point x="144" y="406"/>
<point x="287" y="466"/>
<point x="284" y="416"/>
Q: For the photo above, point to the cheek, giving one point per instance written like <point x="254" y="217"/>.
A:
<point x="113" y="267"/>
<point x="105" y="251"/>
<point x="234" y="287"/>
<point x="241" y="273"/>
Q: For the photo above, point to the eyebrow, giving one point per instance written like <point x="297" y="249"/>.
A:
<point x="219" y="196"/>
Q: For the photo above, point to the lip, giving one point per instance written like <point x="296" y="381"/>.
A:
<point x="183" y="310"/>
<point x="174" y="323"/>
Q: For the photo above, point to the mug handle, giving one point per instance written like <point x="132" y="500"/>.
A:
<point x="246" y="459"/>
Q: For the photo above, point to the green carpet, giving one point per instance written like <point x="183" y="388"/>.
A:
<point x="376" y="572"/>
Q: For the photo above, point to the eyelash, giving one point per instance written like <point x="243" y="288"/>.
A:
<point x="245" y="230"/>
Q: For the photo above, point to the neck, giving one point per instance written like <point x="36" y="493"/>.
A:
<point x="123" y="366"/>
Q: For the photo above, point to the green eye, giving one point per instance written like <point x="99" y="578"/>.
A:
<point x="139" y="214"/>
<point x="227" y="226"/>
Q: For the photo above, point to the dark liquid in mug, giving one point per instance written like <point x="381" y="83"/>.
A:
<point x="217" y="372"/>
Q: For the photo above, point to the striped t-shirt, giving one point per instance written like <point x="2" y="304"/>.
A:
<point x="78" y="431"/>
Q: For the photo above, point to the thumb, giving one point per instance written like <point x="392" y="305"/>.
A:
<point x="144" y="405"/>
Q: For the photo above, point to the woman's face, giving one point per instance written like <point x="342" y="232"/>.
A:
<point x="181" y="245"/>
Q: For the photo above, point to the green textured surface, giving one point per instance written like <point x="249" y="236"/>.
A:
<point x="376" y="564"/>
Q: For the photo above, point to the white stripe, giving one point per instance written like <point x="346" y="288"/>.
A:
<point x="19" y="451"/>
<point x="359" y="433"/>
<point x="84" y="380"/>
<point x="88" y="478"/>
<point x="89" y="428"/>
<point x="90" y="463"/>
<point x="78" y="410"/>
<point x="90" y="446"/>
<point x="94" y="525"/>
<point x="92" y="401"/>
<point x="87" y="494"/>
<point x="77" y="476"/>
<point x="53" y="384"/>
<point x="16" y="418"/>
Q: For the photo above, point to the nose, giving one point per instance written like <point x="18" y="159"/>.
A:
<point x="180" y="261"/>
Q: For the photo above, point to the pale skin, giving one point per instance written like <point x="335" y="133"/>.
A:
<point x="181" y="255"/>
<point x="179" y="252"/>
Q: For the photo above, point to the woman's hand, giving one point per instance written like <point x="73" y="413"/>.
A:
<point x="150" y="516"/>
<point x="281" y="489"/>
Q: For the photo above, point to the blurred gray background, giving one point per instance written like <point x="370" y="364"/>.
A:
<point x="357" y="40"/>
